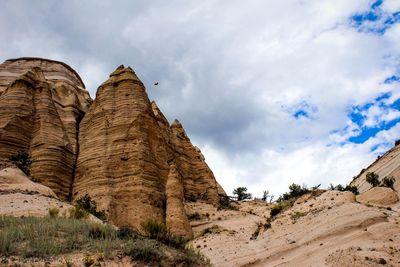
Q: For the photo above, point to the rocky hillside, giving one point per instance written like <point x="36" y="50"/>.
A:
<point x="387" y="165"/>
<point x="119" y="148"/>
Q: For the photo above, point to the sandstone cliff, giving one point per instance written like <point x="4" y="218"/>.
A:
<point x="42" y="102"/>
<point x="119" y="148"/>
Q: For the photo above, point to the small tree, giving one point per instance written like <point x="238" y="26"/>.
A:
<point x="388" y="182"/>
<point x="241" y="193"/>
<point x="397" y="142"/>
<point x="372" y="178"/>
<point x="22" y="160"/>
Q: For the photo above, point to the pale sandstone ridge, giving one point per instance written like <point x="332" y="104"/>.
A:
<point x="133" y="163"/>
<point x="42" y="102"/>
<point x="388" y="165"/>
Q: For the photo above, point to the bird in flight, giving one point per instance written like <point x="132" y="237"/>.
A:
<point x="156" y="83"/>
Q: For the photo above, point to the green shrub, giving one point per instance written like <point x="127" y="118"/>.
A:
<point x="53" y="212"/>
<point x="90" y="206"/>
<point x="372" y="178"/>
<point x="339" y="187"/>
<point x="98" y="231"/>
<point x="241" y="193"/>
<point x="397" y="142"/>
<point x="275" y="210"/>
<point x="78" y="213"/>
<point x="295" y="191"/>
<point x="146" y="252"/>
<point x="159" y="231"/>
<point x="388" y="182"/>
<point x="126" y="232"/>
<point x="23" y="161"/>
<point x="225" y="203"/>
<point x="155" y="229"/>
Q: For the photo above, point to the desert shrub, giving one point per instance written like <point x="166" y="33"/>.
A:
<point x="22" y="160"/>
<point x="53" y="212"/>
<point x="372" y="178"/>
<point x="190" y="258"/>
<point x="99" y="231"/>
<point x="275" y="210"/>
<point x="225" y="203"/>
<point x="90" y="206"/>
<point x="339" y="187"/>
<point x="281" y="206"/>
<point x="241" y="193"/>
<point x="159" y="231"/>
<point x="78" y="212"/>
<point x="295" y="191"/>
<point x="194" y="216"/>
<point x="155" y="229"/>
<point x="145" y="251"/>
<point x="388" y="182"/>
<point x="397" y="142"/>
<point x="126" y="232"/>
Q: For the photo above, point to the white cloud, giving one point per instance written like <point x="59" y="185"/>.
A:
<point x="391" y="6"/>
<point x="233" y="73"/>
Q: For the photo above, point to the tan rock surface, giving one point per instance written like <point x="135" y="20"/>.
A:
<point x="379" y="195"/>
<point x="42" y="102"/>
<point x="122" y="162"/>
<point x="327" y="230"/>
<point x="14" y="180"/>
<point x="126" y="147"/>
<point x="199" y="181"/>
<point x="388" y="165"/>
<point x="176" y="218"/>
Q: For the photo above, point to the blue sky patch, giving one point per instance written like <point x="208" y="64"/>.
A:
<point x="375" y="20"/>
<point x="358" y="117"/>
<point x="300" y="113"/>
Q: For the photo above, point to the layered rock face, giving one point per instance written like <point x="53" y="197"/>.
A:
<point x="119" y="149"/>
<point x="133" y="163"/>
<point x="123" y="157"/>
<point x="42" y="102"/>
<point x="388" y="165"/>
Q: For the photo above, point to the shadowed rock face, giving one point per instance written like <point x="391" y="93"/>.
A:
<point x="42" y="102"/>
<point x="119" y="149"/>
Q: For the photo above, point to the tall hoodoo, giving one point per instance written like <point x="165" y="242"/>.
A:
<point x="41" y="104"/>
<point x="119" y="148"/>
<point x="123" y="156"/>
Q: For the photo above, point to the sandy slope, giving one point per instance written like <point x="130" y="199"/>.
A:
<point x="329" y="230"/>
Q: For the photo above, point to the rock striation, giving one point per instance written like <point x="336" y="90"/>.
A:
<point x="42" y="102"/>
<point x="387" y="165"/>
<point x="133" y="163"/>
<point x="119" y="148"/>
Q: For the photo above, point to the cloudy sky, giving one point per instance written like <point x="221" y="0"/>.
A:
<point x="273" y="92"/>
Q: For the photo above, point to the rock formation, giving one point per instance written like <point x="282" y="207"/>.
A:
<point x="42" y="102"/>
<point x="119" y="148"/>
